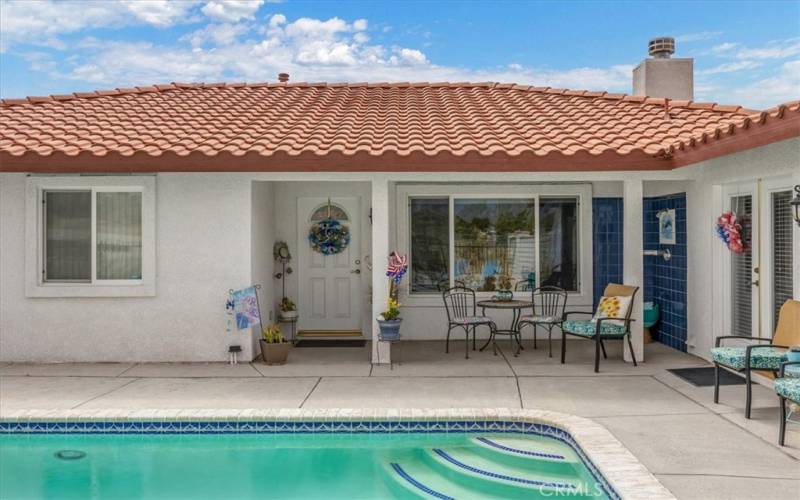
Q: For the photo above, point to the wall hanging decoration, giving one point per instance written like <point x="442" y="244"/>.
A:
<point x="329" y="236"/>
<point x="246" y="309"/>
<point x="730" y="231"/>
<point x="666" y="227"/>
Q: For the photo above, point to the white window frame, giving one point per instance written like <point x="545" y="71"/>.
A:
<point x="37" y="286"/>
<point x="582" y="192"/>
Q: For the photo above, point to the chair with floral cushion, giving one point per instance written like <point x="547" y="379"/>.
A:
<point x="764" y="357"/>
<point x="788" y="390"/>
<point x="611" y="321"/>
<point x="461" y="308"/>
<point x="549" y="303"/>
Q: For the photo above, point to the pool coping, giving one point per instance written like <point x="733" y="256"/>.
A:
<point x="619" y="467"/>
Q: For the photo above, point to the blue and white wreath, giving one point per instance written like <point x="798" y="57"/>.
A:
<point x="329" y="237"/>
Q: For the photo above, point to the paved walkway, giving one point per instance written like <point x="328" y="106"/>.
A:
<point x="696" y="448"/>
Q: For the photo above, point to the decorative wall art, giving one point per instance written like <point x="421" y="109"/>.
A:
<point x="666" y="227"/>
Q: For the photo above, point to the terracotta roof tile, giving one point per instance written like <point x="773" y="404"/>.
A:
<point x="408" y="120"/>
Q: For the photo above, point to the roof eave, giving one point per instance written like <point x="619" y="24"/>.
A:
<point x="330" y="162"/>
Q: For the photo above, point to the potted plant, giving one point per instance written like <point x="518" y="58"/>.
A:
<point x="274" y="347"/>
<point x="504" y="287"/>
<point x="389" y="321"/>
<point x="288" y="309"/>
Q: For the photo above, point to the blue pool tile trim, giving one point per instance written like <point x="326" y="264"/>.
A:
<point x="303" y="426"/>
<point x="520" y="452"/>
<point x="504" y="477"/>
<point x="430" y="491"/>
<point x="606" y="244"/>
<point x="665" y="282"/>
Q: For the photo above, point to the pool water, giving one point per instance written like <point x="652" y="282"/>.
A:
<point x="307" y="466"/>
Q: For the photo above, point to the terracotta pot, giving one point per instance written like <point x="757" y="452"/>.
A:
<point x="275" y="354"/>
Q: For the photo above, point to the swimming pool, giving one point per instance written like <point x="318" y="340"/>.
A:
<point x="273" y="457"/>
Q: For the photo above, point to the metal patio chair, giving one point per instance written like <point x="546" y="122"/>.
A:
<point x="765" y="357"/>
<point x="788" y="389"/>
<point x="601" y="329"/>
<point x="461" y="308"/>
<point x="549" y="303"/>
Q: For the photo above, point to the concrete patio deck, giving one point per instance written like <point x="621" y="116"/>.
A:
<point x="696" y="448"/>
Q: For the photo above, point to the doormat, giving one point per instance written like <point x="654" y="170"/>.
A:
<point x="704" y="377"/>
<point x="330" y="343"/>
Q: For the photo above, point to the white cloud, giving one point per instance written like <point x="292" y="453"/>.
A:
<point x="777" y="49"/>
<point x="412" y="56"/>
<point x="231" y="10"/>
<point x="697" y="37"/>
<point x="277" y="20"/>
<point x="217" y="34"/>
<point x="158" y="12"/>
<point x="730" y="67"/>
<point x="781" y="87"/>
<point x="40" y="22"/>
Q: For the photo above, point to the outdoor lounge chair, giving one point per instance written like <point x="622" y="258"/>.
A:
<point x="765" y="357"/>
<point x="603" y="328"/>
<point x="787" y="388"/>
<point x="461" y="308"/>
<point x="549" y="303"/>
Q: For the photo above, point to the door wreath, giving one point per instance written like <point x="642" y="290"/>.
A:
<point x="329" y="236"/>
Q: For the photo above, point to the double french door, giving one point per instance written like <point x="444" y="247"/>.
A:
<point x="760" y="279"/>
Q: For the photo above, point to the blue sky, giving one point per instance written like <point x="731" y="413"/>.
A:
<point x="745" y="52"/>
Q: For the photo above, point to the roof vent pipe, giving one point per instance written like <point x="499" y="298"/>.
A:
<point x="283" y="77"/>
<point x="661" y="47"/>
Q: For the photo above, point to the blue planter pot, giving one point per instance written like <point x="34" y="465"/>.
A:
<point x="793" y="356"/>
<point x="390" y="329"/>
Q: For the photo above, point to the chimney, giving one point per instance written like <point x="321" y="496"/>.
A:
<point x="662" y="76"/>
<point x="283" y="77"/>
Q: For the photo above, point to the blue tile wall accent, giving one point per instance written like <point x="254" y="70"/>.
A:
<point x="607" y="243"/>
<point x="665" y="282"/>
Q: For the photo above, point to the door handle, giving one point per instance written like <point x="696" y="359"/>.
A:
<point x="755" y="283"/>
<point x="355" y="271"/>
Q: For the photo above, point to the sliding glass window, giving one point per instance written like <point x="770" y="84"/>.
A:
<point x="479" y="241"/>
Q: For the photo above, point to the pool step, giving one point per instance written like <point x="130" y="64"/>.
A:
<point x="463" y="466"/>
<point x="413" y="479"/>
<point x="527" y="453"/>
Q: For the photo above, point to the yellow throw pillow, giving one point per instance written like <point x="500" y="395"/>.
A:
<point x="612" y="307"/>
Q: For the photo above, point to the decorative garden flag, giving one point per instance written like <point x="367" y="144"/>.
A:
<point x="245" y="307"/>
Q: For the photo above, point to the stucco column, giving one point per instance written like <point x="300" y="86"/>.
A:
<point x="632" y="260"/>
<point x="380" y="250"/>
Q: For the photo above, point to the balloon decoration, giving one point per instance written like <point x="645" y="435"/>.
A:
<point x="730" y="231"/>
<point x="329" y="236"/>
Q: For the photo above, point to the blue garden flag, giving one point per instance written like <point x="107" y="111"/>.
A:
<point x="245" y="308"/>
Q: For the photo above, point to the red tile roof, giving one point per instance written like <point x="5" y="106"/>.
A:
<point x="377" y="126"/>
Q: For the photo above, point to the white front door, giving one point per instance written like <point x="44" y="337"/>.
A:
<point x="329" y="293"/>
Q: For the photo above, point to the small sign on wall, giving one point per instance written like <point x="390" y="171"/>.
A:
<point x="666" y="227"/>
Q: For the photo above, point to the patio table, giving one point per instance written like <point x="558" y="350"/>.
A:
<point x="516" y="307"/>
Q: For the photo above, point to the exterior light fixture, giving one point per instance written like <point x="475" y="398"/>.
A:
<point x="795" y="203"/>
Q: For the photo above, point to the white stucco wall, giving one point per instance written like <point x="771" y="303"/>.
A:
<point x="215" y="232"/>
<point x="702" y="200"/>
<point x="261" y="257"/>
<point x="202" y="250"/>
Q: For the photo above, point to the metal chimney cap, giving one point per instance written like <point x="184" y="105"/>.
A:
<point x="662" y="47"/>
<point x="283" y="77"/>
